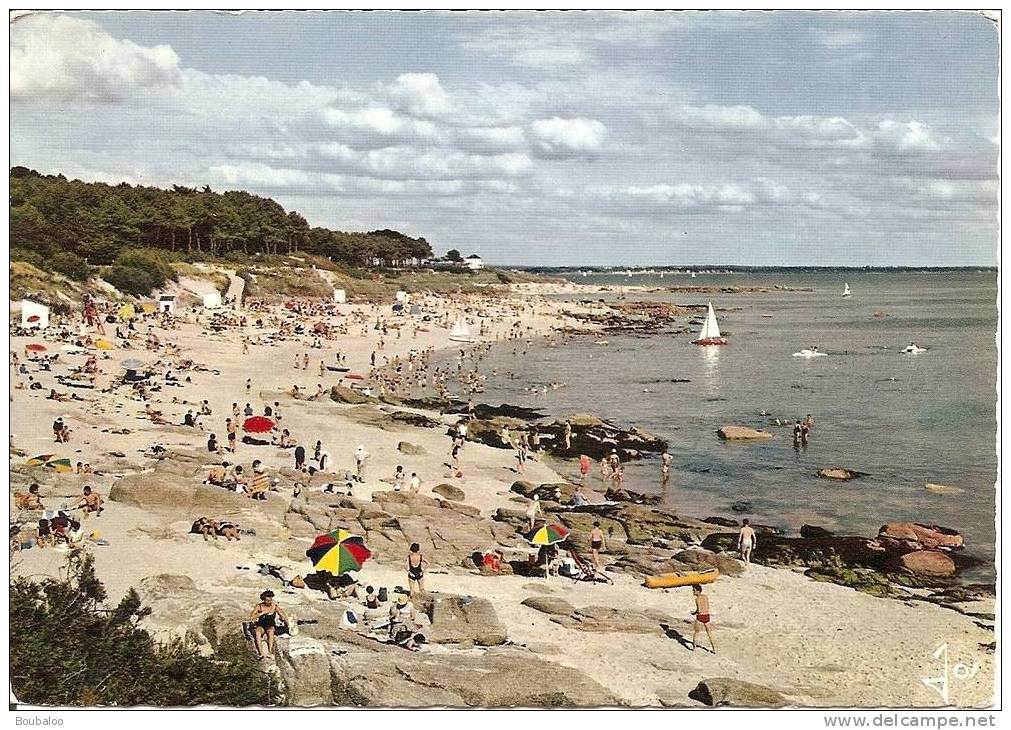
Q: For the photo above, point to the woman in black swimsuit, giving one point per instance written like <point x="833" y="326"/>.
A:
<point x="264" y="617"/>
<point x="416" y="563"/>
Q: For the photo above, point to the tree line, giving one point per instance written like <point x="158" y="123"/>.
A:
<point x="69" y="225"/>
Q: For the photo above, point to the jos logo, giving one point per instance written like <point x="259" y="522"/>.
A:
<point x="951" y="672"/>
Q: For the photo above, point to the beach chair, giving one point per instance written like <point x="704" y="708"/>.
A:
<point x="585" y="572"/>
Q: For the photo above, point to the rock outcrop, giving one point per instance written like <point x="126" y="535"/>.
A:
<point x="743" y="433"/>
<point x="840" y="474"/>
<point x="927" y="563"/>
<point x="916" y="535"/>
<point x="724" y="692"/>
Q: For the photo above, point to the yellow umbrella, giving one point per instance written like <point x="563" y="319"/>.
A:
<point x="148" y="307"/>
<point x="127" y="312"/>
<point x="104" y="345"/>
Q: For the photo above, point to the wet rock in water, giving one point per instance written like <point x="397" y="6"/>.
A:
<point x="726" y="692"/>
<point x="406" y="447"/>
<point x="840" y="474"/>
<point x="927" y="563"/>
<point x="814" y="531"/>
<point x="617" y="494"/>
<point x="462" y="620"/>
<point x="916" y="535"/>
<point x="722" y="521"/>
<point x="741" y="505"/>
<point x="943" y="489"/>
<point x="484" y="410"/>
<point x="743" y="433"/>
<point x="450" y="492"/>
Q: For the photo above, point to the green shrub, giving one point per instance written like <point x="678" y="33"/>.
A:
<point x="68" y="648"/>
<point x="139" y="272"/>
<point x="70" y="265"/>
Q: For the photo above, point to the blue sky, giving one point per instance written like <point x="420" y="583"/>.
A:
<point x="545" y="138"/>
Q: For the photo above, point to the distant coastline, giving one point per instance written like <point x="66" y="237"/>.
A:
<point x="735" y="269"/>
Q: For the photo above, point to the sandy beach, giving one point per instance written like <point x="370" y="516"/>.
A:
<point x="815" y="643"/>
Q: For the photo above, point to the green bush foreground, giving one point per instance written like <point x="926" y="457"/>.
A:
<point x="67" y="648"/>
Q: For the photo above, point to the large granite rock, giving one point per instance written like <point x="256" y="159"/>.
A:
<point x="340" y="394"/>
<point x="917" y="535"/>
<point x="723" y="692"/>
<point x="927" y="564"/>
<point x="463" y="620"/>
<point x="450" y="492"/>
<point x="406" y="447"/>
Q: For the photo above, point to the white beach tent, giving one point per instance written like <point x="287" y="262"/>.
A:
<point x="167" y="303"/>
<point x="34" y="314"/>
<point x="340" y="296"/>
<point x="212" y="300"/>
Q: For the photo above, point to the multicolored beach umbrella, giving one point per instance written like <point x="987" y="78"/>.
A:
<point x="338" y="552"/>
<point x="547" y="535"/>
<point x="257" y="424"/>
<point x="36" y="347"/>
<point x="61" y="465"/>
<point x="39" y="460"/>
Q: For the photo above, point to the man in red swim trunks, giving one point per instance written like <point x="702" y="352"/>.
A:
<point x="702" y="617"/>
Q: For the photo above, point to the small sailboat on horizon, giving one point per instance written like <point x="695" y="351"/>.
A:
<point x="710" y="333"/>
<point x="846" y="289"/>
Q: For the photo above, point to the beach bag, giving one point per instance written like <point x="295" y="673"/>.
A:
<point x="297" y="582"/>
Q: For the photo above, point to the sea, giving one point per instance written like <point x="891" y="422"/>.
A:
<point x="903" y="420"/>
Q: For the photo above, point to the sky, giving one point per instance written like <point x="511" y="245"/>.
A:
<point x="537" y="138"/>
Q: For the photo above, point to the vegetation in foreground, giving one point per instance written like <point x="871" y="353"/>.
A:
<point x="69" y="649"/>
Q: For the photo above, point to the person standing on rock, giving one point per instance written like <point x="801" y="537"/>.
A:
<point x="584" y="467"/>
<point x="596" y="544"/>
<point x="702" y="617"/>
<point x="567" y="435"/>
<point x="361" y="456"/>
<point x="533" y="511"/>
<point x="416" y="563"/>
<point x="665" y="462"/>
<point x="746" y="540"/>
<point x="521" y="456"/>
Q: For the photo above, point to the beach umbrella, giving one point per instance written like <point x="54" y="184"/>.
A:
<point x="338" y="552"/>
<point x="103" y="345"/>
<point x="544" y="536"/>
<point x="547" y="535"/>
<point x="33" y="318"/>
<point x="126" y="312"/>
<point x="73" y="349"/>
<point x="39" y="460"/>
<point x="36" y="347"/>
<point x="257" y="424"/>
<point x="61" y="465"/>
<point x="149" y="307"/>
<point x="133" y="364"/>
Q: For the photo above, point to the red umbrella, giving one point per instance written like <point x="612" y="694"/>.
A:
<point x="34" y="318"/>
<point x="36" y="347"/>
<point x="257" y="424"/>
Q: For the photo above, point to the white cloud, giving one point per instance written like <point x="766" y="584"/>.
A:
<point x="58" y="56"/>
<point x="421" y="94"/>
<point x="913" y="135"/>
<point x="558" y="137"/>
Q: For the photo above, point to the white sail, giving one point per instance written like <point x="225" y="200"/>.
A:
<point x="846" y="290"/>
<point x="710" y="330"/>
<point x="460" y="331"/>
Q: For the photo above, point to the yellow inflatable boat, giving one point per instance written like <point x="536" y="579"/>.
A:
<point x="674" y="580"/>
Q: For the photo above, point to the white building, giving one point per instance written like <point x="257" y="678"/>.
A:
<point x="473" y="262"/>
<point x="167" y="303"/>
<point x="212" y="300"/>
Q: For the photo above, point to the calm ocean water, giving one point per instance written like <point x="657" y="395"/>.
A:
<point x="904" y="419"/>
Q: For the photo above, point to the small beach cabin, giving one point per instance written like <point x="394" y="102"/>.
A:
<point x="340" y="296"/>
<point x="34" y="314"/>
<point x="473" y="262"/>
<point x="167" y="303"/>
<point x="212" y="300"/>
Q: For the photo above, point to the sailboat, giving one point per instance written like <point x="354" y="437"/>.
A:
<point x="710" y="334"/>
<point x="846" y="289"/>
<point x="460" y="332"/>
